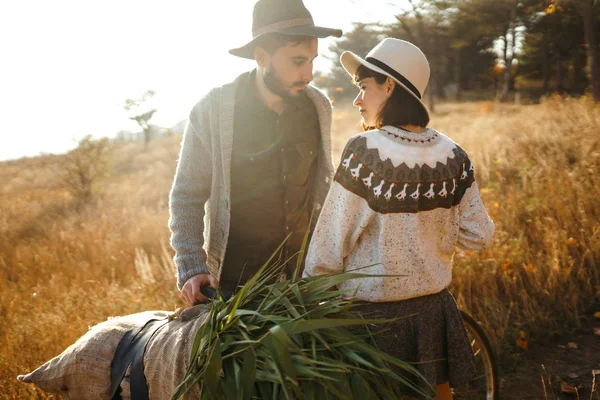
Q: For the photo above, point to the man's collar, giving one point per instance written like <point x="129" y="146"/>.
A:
<point x="248" y="97"/>
<point x="302" y="101"/>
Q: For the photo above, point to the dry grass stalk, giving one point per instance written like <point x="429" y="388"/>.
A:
<point x="63" y="269"/>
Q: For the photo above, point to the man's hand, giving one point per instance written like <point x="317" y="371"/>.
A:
<point x="190" y="293"/>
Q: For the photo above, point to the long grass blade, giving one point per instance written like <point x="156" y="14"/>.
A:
<point x="288" y="340"/>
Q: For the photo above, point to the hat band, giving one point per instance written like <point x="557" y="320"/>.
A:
<point x="395" y="74"/>
<point x="290" y="23"/>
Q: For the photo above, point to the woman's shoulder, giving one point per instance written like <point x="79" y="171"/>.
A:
<point x="384" y="139"/>
<point x="358" y="137"/>
<point x="448" y="141"/>
<point x="443" y="136"/>
<point x="362" y="136"/>
<point x="368" y="141"/>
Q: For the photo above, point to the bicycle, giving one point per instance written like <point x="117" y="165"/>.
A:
<point x="485" y="384"/>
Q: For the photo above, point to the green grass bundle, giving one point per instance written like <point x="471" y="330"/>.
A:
<point x="291" y="340"/>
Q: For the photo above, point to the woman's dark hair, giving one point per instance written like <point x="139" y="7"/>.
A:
<point x="400" y="109"/>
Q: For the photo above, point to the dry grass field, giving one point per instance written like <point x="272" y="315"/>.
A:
<point x="66" y="266"/>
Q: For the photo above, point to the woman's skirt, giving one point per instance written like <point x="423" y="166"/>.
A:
<point x="429" y="331"/>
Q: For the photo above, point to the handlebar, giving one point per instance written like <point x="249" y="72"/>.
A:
<point x="211" y="293"/>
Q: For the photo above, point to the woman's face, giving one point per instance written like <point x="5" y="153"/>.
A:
<point x="371" y="98"/>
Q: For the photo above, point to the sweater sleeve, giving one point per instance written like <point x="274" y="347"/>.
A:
<point x="344" y="217"/>
<point x="476" y="229"/>
<point x="189" y="193"/>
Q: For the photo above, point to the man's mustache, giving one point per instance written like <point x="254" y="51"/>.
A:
<point x="301" y="83"/>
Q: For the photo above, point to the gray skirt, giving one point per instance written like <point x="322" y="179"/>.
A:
<point x="429" y="332"/>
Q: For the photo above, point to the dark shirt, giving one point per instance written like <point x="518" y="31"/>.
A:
<point x="273" y="167"/>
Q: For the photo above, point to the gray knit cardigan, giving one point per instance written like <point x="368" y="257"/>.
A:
<point x="199" y="200"/>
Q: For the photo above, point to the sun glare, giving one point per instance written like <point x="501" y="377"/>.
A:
<point x="72" y="64"/>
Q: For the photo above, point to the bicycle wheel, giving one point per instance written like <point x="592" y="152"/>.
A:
<point x="485" y="384"/>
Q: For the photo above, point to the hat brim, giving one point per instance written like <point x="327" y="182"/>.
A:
<point x="247" y="51"/>
<point x="351" y="62"/>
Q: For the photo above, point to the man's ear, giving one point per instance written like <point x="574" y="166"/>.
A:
<point x="261" y="56"/>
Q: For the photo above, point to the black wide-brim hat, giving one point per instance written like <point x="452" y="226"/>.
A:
<point x="287" y="17"/>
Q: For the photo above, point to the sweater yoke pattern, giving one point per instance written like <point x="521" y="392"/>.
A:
<point x="403" y="189"/>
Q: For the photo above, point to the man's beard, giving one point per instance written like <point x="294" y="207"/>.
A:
<point x="278" y="87"/>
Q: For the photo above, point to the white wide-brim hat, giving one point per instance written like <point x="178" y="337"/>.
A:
<point x="402" y="61"/>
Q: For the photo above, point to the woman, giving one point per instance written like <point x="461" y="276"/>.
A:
<point x="403" y="196"/>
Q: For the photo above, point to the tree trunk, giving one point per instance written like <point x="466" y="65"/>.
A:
<point x="439" y="85"/>
<point x="472" y="82"/>
<point x="439" y="64"/>
<point x="546" y="66"/>
<point x="146" y="137"/>
<point x="593" y="55"/>
<point x="507" y="73"/>
<point x="509" y="58"/>
<point x="497" y="81"/>
<point x="432" y="77"/>
<point x="577" y="69"/>
<point x="430" y="100"/>
<point x="559" y="73"/>
<point x="505" y="47"/>
<point x="458" y="72"/>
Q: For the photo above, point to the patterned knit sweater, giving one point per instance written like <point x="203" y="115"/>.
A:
<point x="402" y="201"/>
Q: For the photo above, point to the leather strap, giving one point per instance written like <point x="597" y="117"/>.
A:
<point x="130" y="351"/>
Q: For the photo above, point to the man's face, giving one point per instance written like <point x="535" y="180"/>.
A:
<point x="290" y="68"/>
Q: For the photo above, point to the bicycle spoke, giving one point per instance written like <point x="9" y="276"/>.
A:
<point x="483" y="384"/>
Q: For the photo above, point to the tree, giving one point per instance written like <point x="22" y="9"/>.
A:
<point x="139" y="112"/>
<point x="588" y="9"/>
<point x="461" y="39"/>
<point x="85" y="167"/>
<point x="360" y="40"/>
<point x="471" y="34"/>
<point x="509" y="49"/>
<point x="427" y="25"/>
<point x="499" y="20"/>
<point x="456" y="36"/>
<point x="554" y="44"/>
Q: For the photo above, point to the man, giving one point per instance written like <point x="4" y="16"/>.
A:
<point x="257" y="152"/>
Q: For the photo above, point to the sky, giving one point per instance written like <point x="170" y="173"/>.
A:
<point x="67" y="66"/>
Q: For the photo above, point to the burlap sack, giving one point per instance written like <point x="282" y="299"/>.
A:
<point x="167" y="356"/>
<point x="82" y="371"/>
